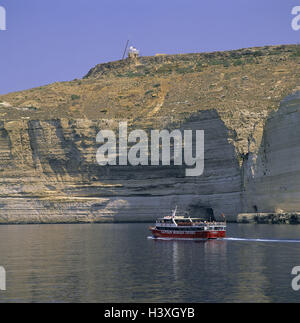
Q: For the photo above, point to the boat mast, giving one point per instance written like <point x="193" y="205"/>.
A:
<point x="173" y="216"/>
<point x="174" y="212"/>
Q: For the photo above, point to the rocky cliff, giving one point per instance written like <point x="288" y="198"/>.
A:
<point x="48" y="143"/>
<point x="272" y="175"/>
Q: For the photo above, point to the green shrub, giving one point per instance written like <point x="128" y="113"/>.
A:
<point x="258" y="53"/>
<point x="165" y="69"/>
<point x="183" y="70"/>
<point x="238" y="62"/>
<point x="250" y="60"/>
<point x="216" y="62"/>
<point x="235" y="55"/>
<point x="75" y="97"/>
<point x="296" y="53"/>
<point x="149" y="92"/>
<point x="132" y="74"/>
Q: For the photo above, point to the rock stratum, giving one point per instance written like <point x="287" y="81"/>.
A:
<point x="247" y="101"/>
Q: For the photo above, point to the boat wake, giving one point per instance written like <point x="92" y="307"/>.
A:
<point x="263" y="240"/>
<point x="232" y="239"/>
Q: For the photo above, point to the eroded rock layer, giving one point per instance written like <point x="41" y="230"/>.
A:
<point x="272" y="177"/>
<point x="48" y="146"/>
<point x="51" y="174"/>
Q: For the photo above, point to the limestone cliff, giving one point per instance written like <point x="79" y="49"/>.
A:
<point x="48" y="167"/>
<point x="272" y="175"/>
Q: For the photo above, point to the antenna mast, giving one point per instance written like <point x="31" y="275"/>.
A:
<point x="174" y="212"/>
<point x="125" y="49"/>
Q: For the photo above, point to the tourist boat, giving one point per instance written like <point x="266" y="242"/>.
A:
<point x="180" y="227"/>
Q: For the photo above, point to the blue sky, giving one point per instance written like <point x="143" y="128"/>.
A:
<point x="58" y="40"/>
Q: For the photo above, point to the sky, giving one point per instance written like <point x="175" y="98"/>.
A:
<point x="59" y="40"/>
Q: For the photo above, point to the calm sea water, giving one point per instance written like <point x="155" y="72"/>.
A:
<point x="118" y="263"/>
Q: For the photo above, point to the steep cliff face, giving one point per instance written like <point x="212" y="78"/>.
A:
<point x="51" y="175"/>
<point x="272" y="176"/>
<point x="48" y="146"/>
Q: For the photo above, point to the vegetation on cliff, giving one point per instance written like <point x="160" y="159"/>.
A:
<point x="242" y="85"/>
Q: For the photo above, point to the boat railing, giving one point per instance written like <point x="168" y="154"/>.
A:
<point x="184" y="224"/>
<point x="189" y="224"/>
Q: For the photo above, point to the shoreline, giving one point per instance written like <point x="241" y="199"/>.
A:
<point x="249" y="218"/>
<point x="269" y="218"/>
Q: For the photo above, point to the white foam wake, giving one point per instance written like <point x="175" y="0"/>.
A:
<point x="264" y="240"/>
<point x="232" y="239"/>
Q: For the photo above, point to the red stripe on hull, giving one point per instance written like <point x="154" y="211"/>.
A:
<point x="193" y="235"/>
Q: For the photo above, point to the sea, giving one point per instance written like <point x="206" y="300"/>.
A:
<point x="121" y="263"/>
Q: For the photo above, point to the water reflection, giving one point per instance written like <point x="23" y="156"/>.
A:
<point x="117" y="263"/>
